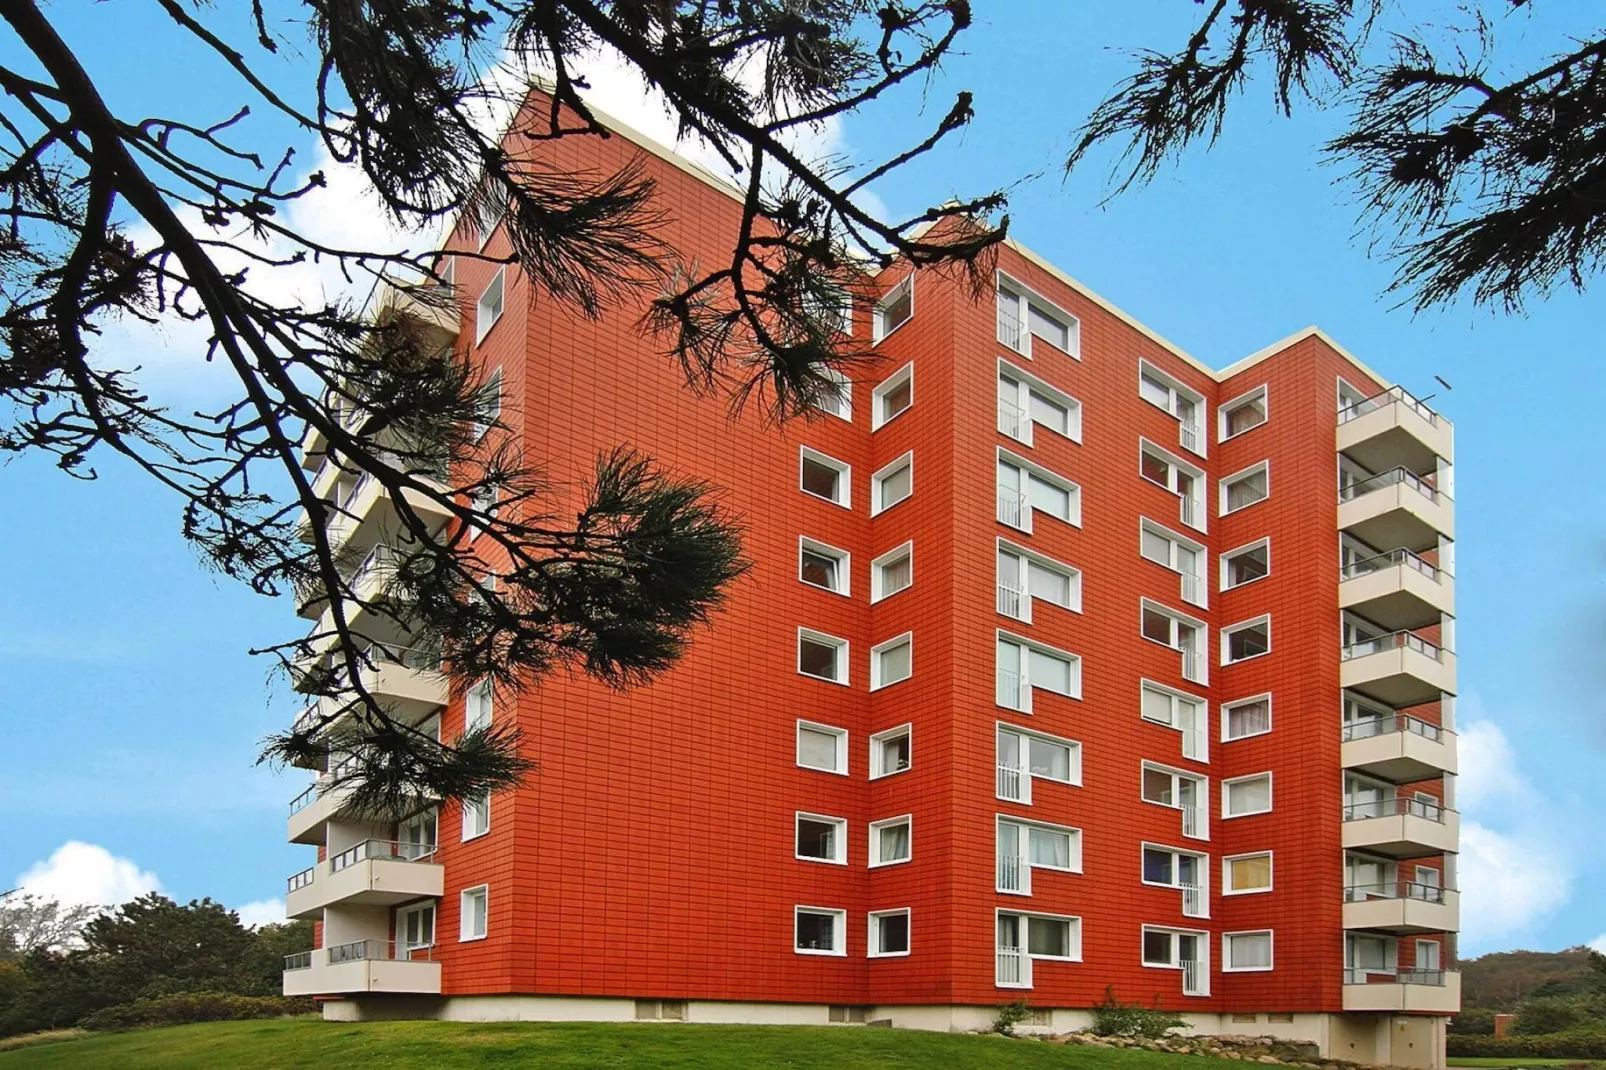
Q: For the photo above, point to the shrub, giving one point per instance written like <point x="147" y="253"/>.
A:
<point x="1009" y="1016"/>
<point x="1581" y="1044"/>
<point x="194" y="1007"/>
<point x="1473" y="1021"/>
<point x="1112" y="1018"/>
<point x="1555" y="1014"/>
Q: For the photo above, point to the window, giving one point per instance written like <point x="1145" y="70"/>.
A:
<point x="1368" y="954"/>
<point x="821" y="656"/>
<point x="822" y="839"/>
<point x="476" y="815"/>
<point x="492" y="394"/>
<point x="1051" y="938"/>
<point x="1181" y="555"/>
<point x="1023" y="665"/>
<point x="1025" y="400"/>
<point x="889" y="752"/>
<point x="892" y="661"/>
<point x="893" y="397"/>
<point x="1183" y="870"/>
<point x="835" y="396"/>
<point x="1024" y="315"/>
<point x="1025" y="489"/>
<point x="1179" y="791"/>
<point x="489" y="209"/>
<point x="895" y="308"/>
<point x="1349" y="396"/>
<point x="489" y="307"/>
<point x="1181" y="633"/>
<point x="1246" y="795"/>
<point x="1247" y="640"/>
<point x="1242" y="952"/>
<point x="1245" y="489"/>
<point x="1024" y="575"/>
<point x="1023" y="756"/>
<point x="1024" y="846"/>
<point x="660" y="1010"/>
<point x="822" y="566"/>
<point x="1246" y="564"/>
<point x="1174" y="709"/>
<point x="822" y="747"/>
<point x="892" y="572"/>
<point x="1166" y="470"/>
<point x="1427" y="954"/>
<point x="892" y="484"/>
<point x="418" y="835"/>
<point x="1246" y="717"/>
<point x="1242" y="874"/>
<point x="891" y="841"/>
<point x="475" y="904"/>
<point x="889" y="933"/>
<point x="1242" y="413"/>
<point x="477" y="706"/>
<point x="415" y="927"/>
<point x="1161" y="390"/>
<point x="820" y="931"/>
<point x="1040" y="936"/>
<point x="825" y="477"/>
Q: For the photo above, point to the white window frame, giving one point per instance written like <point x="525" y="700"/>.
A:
<point x="844" y="662"/>
<point x="1226" y="954"/>
<point x="878" y="589"/>
<point x="1226" y="795"/>
<point x="1258" y="393"/>
<point x="402" y="914"/>
<point x="1177" y="540"/>
<point x="1226" y="873"/>
<point x="1073" y="942"/>
<point x="1227" y="556"/>
<point x="876" y="682"/>
<point x="1026" y="296"/>
<point x="481" y="805"/>
<point x="844" y="411"/>
<point x="481" y="691"/>
<point x="1025" y="384"/>
<point x="1177" y="617"/>
<point x="841" y="735"/>
<point x="844" y="473"/>
<point x="880" y="476"/>
<point x="482" y="324"/>
<point x="1026" y="824"/>
<point x="493" y="386"/>
<point x="1201" y="795"/>
<point x="877" y="769"/>
<point x="1416" y="954"/>
<point x="840" y="858"/>
<point x="1202" y="863"/>
<point x="1202" y="941"/>
<point x="878" y="328"/>
<point x="1198" y="500"/>
<point x="1344" y="387"/>
<point x="1028" y="469"/>
<point x="873" y="931"/>
<point x="1031" y="557"/>
<point x="1262" y="467"/>
<point x="875" y="859"/>
<point x="1027" y="645"/>
<point x="1230" y="630"/>
<point x="1026" y="773"/>
<point x="1201" y="731"/>
<point x="1177" y="389"/>
<point x="905" y="374"/>
<point x="840" y="930"/>
<point x="844" y="563"/>
<point x="1227" y="707"/>
<point x="485" y="225"/>
<point x="465" y="915"/>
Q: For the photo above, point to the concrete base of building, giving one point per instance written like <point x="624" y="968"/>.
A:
<point x="1415" y="1041"/>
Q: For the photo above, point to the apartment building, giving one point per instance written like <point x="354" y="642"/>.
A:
<point x="1066" y="665"/>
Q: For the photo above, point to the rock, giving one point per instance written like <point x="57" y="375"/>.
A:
<point x="1268" y="1060"/>
<point x="1232" y="1055"/>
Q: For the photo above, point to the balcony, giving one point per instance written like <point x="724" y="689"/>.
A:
<point x="1397" y="590"/>
<point x="1393" y="428"/>
<point x="371" y="873"/>
<point x="1401" y="827"/>
<point x="1405" y="992"/>
<point x="362" y="966"/>
<point x="1398" y="748"/>
<point x="1012" y="421"/>
<point x="429" y="310"/>
<point x="406" y="681"/>
<point x="1400" y="669"/>
<point x="313" y="809"/>
<point x="1402" y="907"/>
<point x="1013" y="510"/>
<point x="1014" y="785"/>
<point x="1014" y="968"/>
<point x="1396" y="508"/>
<point x="1014" y="874"/>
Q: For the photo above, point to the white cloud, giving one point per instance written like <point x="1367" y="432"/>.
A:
<point x="262" y="912"/>
<point x="1509" y="883"/>
<point x="1489" y="772"/>
<point x="85" y="873"/>
<point x="1598" y="944"/>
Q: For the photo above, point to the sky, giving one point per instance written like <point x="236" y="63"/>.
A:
<point x="133" y="710"/>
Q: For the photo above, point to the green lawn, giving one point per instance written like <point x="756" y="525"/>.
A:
<point x="291" y="1044"/>
<point x="1516" y="1062"/>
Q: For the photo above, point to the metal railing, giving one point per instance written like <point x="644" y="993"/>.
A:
<point x="1388" y="724"/>
<point x="1393" y="641"/>
<point x="394" y="849"/>
<point x="409" y="657"/>
<point x="1011" y="419"/>
<point x="1394" y="395"/>
<point x="1368" y="565"/>
<point x="1192" y="820"/>
<point x="1014" y="783"/>
<point x="1009" y="324"/>
<point x="1014" y="875"/>
<point x="1012" y="690"/>
<point x="301" y="960"/>
<point x="1193" y="900"/>
<point x="302" y="801"/>
<point x="1388" y="479"/>
<point x="377" y="951"/>
<point x="1193" y="743"/>
<point x="1012" y="508"/>
<point x="1192" y="588"/>
<point x="1012" y="600"/>
<point x="1422" y="893"/>
<point x="1363" y="976"/>
<point x="1014" y="968"/>
<point x="1422" y="977"/>
<point x="380" y="557"/>
<point x="1401" y="805"/>
<point x="1193" y="666"/>
<point x="1189" y="510"/>
<point x="300" y="880"/>
<point x="1192" y="971"/>
<point x="306" y="719"/>
<point x="1189" y="436"/>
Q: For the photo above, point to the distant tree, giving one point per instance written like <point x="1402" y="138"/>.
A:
<point x="274" y="942"/>
<point x="152" y="946"/>
<point x="1501" y="980"/>
<point x="1557" y="1014"/>
<point x="1473" y="1022"/>
<point x="1477" y="183"/>
<point x="30" y="923"/>
<point x="112" y="212"/>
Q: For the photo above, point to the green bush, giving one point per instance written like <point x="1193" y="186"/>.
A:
<point x="1556" y="1014"/>
<point x="1112" y="1018"/>
<point x="1009" y="1016"/>
<point x="186" y="1007"/>
<point x="1473" y="1021"/>
<point x="1581" y="1044"/>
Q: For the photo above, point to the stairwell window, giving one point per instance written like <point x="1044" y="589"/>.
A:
<point x="822" y="839"/>
<point x="820" y="931"/>
<point x="892" y="572"/>
<point x="491" y="393"/>
<point x="415" y="927"/>
<point x="890" y="752"/>
<point x="836" y="395"/>
<point x="1246" y="717"/>
<point x="891" y="841"/>
<point x="1024" y="575"/>
<point x="1246" y="952"/>
<point x="1246" y="795"/>
<point x="824" y="657"/>
<point x="1169" y="394"/>
<point x="893" y="397"/>
<point x="1251" y="639"/>
<point x="1182" y="633"/>
<point x="1243" y="413"/>
<point x="1179" y="554"/>
<point x="475" y="906"/>
<point x="1024" y="666"/>
<point x="1183" y="712"/>
<point x="1245" y="488"/>
<point x="892" y="484"/>
<point x="822" y="566"/>
<point x="488" y="309"/>
<point x="891" y="662"/>
<point x="825" y="477"/>
<point x="477" y="702"/>
<point x="822" y="747"/>
<point x="1024" y="315"/>
<point x="1165" y="469"/>
<point x="896" y="307"/>
<point x="889" y="933"/>
<point x="476" y="815"/>
<point x="1025" y="402"/>
<point x="1246" y="564"/>
<point x="1025" y="489"/>
<point x="1246" y="874"/>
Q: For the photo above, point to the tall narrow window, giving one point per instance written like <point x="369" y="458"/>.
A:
<point x="477" y="705"/>
<point x="892" y="484"/>
<point x="1245" y="488"/>
<point x="475" y="906"/>
<point x="895" y="308"/>
<point x="894" y="396"/>
<point x="891" y="572"/>
<point x="489" y="307"/>
<point x="476" y="815"/>
<point x="891" y="662"/>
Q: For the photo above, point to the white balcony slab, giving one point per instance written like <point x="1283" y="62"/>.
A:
<point x="363" y="975"/>
<point x="1405" y="998"/>
<point x="366" y="882"/>
<point x="1397" y="433"/>
<point x="1401" y="675"/>
<point x="1399" y="597"/>
<point x="1398" y="514"/>
<point x="1407" y="835"/>
<point x="1404" y="914"/>
<point x="1401" y="757"/>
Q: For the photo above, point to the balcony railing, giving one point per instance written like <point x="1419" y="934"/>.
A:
<point x="1190" y="510"/>
<point x="361" y="951"/>
<point x="1192" y="587"/>
<point x="1014" y="968"/>
<point x="1009" y="325"/>
<point x="1372" y="727"/>
<point x="1193" y="743"/>
<point x="1012" y="508"/>
<point x="1422" y="893"/>
<point x="1189" y="436"/>
<point x="1193" y="900"/>
<point x="1394" y="395"/>
<point x="1011" y="420"/>
<point x="1193" y="666"/>
<point x="1368" y="565"/>
<point x="1014" y="783"/>
<point x="1012" y="690"/>
<point x="302" y="801"/>
<point x="1193" y="974"/>
<point x="1192" y="820"/>
<point x="409" y="657"/>
<point x="394" y="849"/>
<point x="1393" y="641"/>
<point x="380" y="557"/>
<point x="301" y="960"/>
<point x="1423" y="808"/>
<point x="1014" y="875"/>
<point x="1389" y="479"/>
<point x="1354" y="976"/>
<point x="300" y="880"/>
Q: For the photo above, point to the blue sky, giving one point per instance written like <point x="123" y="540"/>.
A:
<point x="133" y="710"/>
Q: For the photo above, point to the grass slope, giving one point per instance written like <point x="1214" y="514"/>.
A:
<point x="293" y="1044"/>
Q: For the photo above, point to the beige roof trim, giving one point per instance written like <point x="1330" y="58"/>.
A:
<point x="1299" y="336"/>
